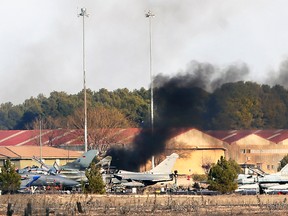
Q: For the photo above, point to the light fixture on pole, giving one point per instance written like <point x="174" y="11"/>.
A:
<point x="84" y="14"/>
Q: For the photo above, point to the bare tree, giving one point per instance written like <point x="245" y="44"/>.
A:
<point x="47" y="122"/>
<point x="104" y="126"/>
<point x="206" y="164"/>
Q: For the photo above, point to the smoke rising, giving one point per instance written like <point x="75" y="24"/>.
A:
<point x="280" y="77"/>
<point x="179" y="102"/>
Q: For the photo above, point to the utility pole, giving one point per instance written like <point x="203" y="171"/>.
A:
<point x="84" y="14"/>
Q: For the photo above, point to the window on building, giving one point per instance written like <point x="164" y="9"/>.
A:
<point x="243" y="151"/>
<point x="268" y="167"/>
<point x="272" y="166"/>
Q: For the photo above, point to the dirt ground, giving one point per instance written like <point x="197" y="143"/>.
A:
<point x="79" y="204"/>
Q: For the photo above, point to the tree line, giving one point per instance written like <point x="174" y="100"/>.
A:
<point x="239" y="105"/>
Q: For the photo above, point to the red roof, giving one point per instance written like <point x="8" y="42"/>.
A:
<point x="231" y="136"/>
<point x="59" y="137"/>
<point x="275" y="136"/>
<point x="67" y="137"/>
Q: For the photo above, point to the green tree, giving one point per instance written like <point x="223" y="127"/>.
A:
<point x="222" y="176"/>
<point x="134" y="105"/>
<point x="274" y="107"/>
<point x="95" y="180"/>
<point x="10" y="180"/>
<point x="9" y="116"/>
<point x="236" y="106"/>
<point x="283" y="162"/>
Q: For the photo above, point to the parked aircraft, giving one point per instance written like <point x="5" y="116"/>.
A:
<point x="267" y="183"/>
<point x="32" y="169"/>
<point x="41" y="180"/>
<point x="276" y="189"/>
<point x="66" y="177"/>
<point x="280" y="177"/>
<point x="80" y="163"/>
<point x="160" y="173"/>
<point x="252" y="188"/>
<point x="246" y="179"/>
<point x="27" y="181"/>
<point x="74" y="170"/>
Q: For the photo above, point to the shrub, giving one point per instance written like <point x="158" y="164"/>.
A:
<point x="95" y="180"/>
<point x="10" y="180"/>
<point x="222" y="176"/>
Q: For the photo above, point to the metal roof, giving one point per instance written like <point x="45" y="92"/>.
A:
<point x="30" y="151"/>
<point x="59" y="137"/>
<point x="230" y="136"/>
<point x="66" y="137"/>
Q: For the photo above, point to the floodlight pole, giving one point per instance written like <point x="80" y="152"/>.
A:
<point x="84" y="14"/>
<point x="149" y="15"/>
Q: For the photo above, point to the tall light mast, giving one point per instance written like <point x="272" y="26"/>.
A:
<point x="150" y="15"/>
<point x="84" y="14"/>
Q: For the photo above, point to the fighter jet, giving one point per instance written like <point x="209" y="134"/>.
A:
<point x="80" y="163"/>
<point x="40" y="180"/>
<point x="160" y="173"/>
<point x="27" y="181"/>
<point x="280" y="177"/>
<point x="74" y="170"/>
<point x="267" y="183"/>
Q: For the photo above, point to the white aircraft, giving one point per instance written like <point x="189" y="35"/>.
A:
<point x="252" y="188"/>
<point x="280" y="177"/>
<point x="160" y="173"/>
<point x="244" y="179"/>
<point x="267" y="183"/>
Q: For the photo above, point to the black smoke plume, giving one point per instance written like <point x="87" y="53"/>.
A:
<point x="180" y="102"/>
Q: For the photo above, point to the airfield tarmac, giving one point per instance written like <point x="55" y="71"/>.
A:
<point x="81" y="204"/>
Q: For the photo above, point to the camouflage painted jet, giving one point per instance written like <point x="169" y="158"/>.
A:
<point x="30" y="181"/>
<point x="74" y="170"/>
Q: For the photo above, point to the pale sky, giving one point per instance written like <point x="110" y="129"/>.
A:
<point x="41" y="42"/>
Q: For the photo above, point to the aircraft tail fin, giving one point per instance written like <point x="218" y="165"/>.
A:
<point x="105" y="161"/>
<point x="284" y="170"/>
<point x="166" y="165"/>
<point x="82" y="162"/>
